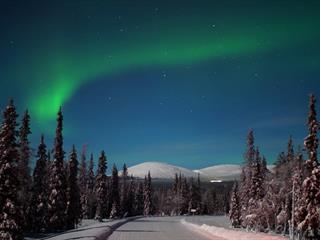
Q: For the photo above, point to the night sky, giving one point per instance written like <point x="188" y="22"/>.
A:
<point x="172" y="81"/>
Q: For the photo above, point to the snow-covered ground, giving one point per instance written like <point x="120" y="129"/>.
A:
<point x="218" y="221"/>
<point x="224" y="232"/>
<point x="89" y="230"/>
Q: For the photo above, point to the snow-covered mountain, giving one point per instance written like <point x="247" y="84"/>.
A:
<point x="223" y="172"/>
<point x="220" y="172"/>
<point x="159" y="170"/>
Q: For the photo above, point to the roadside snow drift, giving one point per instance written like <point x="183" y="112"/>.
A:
<point x="229" y="234"/>
<point x="95" y="231"/>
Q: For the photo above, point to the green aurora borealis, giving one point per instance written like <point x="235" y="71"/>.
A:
<point x="54" y="50"/>
<point x="66" y="65"/>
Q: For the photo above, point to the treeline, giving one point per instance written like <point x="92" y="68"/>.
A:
<point x="59" y="192"/>
<point x="286" y="200"/>
<point x="191" y="196"/>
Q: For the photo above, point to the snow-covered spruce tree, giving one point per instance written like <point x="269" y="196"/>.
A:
<point x="114" y="193"/>
<point x="270" y="205"/>
<point x="184" y="193"/>
<point x="10" y="211"/>
<point x="281" y="160"/>
<point x="245" y="179"/>
<point x="83" y="176"/>
<point x="38" y="207"/>
<point x="73" y="193"/>
<point x="256" y="194"/>
<point x="175" y="184"/>
<point x="264" y="167"/>
<point x="193" y="204"/>
<point x="309" y="211"/>
<point x="57" y="182"/>
<point x="101" y="188"/>
<point x="284" y="168"/>
<point x="297" y="200"/>
<point x="124" y="192"/>
<point x="138" y="199"/>
<point x="130" y="198"/>
<point x="23" y="167"/>
<point x="198" y="193"/>
<point x="258" y="176"/>
<point x="177" y="199"/>
<point x="209" y="200"/>
<point x="235" y="207"/>
<point x="147" y="196"/>
<point x="90" y="190"/>
<point x="285" y="177"/>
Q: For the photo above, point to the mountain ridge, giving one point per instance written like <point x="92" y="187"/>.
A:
<point x="159" y="170"/>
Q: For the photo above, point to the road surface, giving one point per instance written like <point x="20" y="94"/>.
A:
<point x="157" y="228"/>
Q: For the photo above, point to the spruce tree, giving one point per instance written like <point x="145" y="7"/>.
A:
<point x="114" y="193"/>
<point x="147" y="196"/>
<point x="39" y="207"/>
<point x="297" y="200"/>
<point x="124" y="191"/>
<point x="256" y="190"/>
<point x="90" y="190"/>
<point x="23" y="166"/>
<point x="246" y="175"/>
<point x="256" y="193"/>
<point x="175" y="184"/>
<point x="57" y="182"/>
<point x="138" y="199"/>
<point x="281" y="160"/>
<point x="192" y="205"/>
<point x="310" y="225"/>
<point x="235" y="207"/>
<point x="83" y="179"/>
<point x="184" y="194"/>
<point x="73" y="192"/>
<point x="131" y="198"/>
<point x="10" y="211"/>
<point x="101" y="188"/>
<point x="250" y="154"/>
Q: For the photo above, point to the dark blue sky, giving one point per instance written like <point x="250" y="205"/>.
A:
<point x="163" y="81"/>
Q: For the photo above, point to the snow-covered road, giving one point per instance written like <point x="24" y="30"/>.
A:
<point x="158" y="228"/>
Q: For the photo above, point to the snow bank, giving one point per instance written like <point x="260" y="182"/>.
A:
<point x="229" y="234"/>
<point x="96" y="231"/>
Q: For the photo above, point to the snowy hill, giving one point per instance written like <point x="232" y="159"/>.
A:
<point x="220" y="172"/>
<point x="159" y="170"/>
<point x="224" y="172"/>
